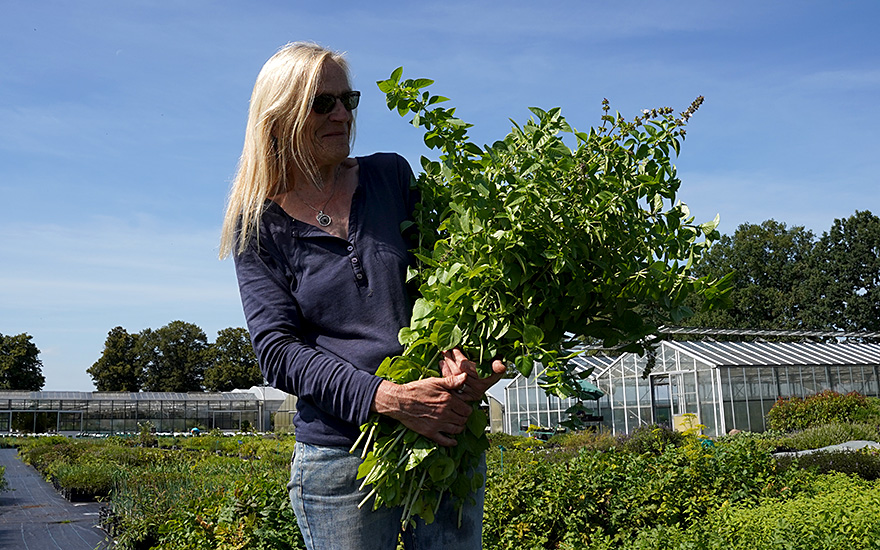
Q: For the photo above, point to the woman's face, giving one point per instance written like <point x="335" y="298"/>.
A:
<point x="329" y="134"/>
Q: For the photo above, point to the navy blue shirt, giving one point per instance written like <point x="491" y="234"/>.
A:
<point x="323" y="312"/>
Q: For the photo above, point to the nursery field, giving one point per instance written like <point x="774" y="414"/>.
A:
<point x="654" y="488"/>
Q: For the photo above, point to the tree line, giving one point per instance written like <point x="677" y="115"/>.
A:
<point x="788" y="278"/>
<point x="176" y="358"/>
<point x="20" y="365"/>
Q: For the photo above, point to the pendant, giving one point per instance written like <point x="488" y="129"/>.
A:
<point x="323" y="219"/>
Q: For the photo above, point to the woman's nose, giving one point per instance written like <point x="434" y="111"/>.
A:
<point x="339" y="111"/>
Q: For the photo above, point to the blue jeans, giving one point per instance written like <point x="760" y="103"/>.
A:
<point x="324" y="494"/>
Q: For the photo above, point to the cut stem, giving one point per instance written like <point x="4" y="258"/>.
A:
<point x="359" y="439"/>
<point x="369" y="440"/>
<point x="366" y="498"/>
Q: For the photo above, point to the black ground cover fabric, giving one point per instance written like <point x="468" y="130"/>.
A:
<point x="34" y="516"/>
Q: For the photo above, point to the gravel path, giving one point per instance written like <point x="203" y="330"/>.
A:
<point x="33" y="516"/>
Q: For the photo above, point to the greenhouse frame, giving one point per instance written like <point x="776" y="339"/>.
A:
<point x="528" y="407"/>
<point x="723" y="385"/>
<point x="121" y="412"/>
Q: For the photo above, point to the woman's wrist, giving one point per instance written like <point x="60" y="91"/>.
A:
<point x="385" y="398"/>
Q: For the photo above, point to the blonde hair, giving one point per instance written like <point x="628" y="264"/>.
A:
<point x="274" y="139"/>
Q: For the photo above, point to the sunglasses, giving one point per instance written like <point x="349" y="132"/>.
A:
<point x="325" y="103"/>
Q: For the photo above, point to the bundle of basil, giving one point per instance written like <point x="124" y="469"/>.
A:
<point x="521" y="243"/>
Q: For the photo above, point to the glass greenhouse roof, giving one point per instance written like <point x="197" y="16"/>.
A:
<point x="745" y="354"/>
<point x="126" y="396"/>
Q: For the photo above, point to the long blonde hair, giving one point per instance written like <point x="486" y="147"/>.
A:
<point x="274" y="139"/>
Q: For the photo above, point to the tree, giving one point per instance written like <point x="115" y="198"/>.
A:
<point x="173" y="358"/>
<point x="20" y="365"/>
<point x="771" y="286"/>
<point x="233" y="363"/>
<point x="846" y="274"/>
<point x="118" y="368"/>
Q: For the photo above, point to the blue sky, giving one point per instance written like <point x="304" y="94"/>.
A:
<point x="121" y="124"/>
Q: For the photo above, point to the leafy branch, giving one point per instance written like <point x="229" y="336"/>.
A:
<point x="521" y="242"/>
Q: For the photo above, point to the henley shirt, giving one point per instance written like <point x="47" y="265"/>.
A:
<point x="323" y="312"/>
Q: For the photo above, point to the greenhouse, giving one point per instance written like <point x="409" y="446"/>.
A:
<point x="724" y="385"/>
<point x="120" y="412"/>
<point x="527" y="406"/>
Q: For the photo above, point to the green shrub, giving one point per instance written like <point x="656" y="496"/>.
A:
<point x="204" y="501"/>
<point x="214" y="442"/>
<point x="769" y="440"/>
<point x="89" y="478"/>
<point x="822" y="408"/>
<point x="128" y="456"/>
<point x="828" y="512"/>
<point x="670" y="492"/>
<point x="41" y="453"/>
<point x="143" y="498"/>
<point x="863" y="465"/>
<point x="147" y="434"/>
<point x="613" y="495"/>
<point x="841" y="512"/>
<point x="824" y="435"/>
<point x="600" y="440"/>
<point x="514" y="441"/>
<point x="253" y="513"/>
<point x="651" y="439"/>
<point x="873" y="409"/>
<point x="837" y="513"/>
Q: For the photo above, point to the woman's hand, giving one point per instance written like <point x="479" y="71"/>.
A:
<point x="454" y="363"/>
<point x="431" y="407"/>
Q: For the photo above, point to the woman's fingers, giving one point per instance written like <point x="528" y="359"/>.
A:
<point x="431" y="407"/>
<point x="454" y="362"/>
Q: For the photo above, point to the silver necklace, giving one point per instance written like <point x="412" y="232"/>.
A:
<point x="323" y="219"/>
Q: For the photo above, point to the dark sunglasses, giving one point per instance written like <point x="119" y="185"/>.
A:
<point x="325" y="103"/>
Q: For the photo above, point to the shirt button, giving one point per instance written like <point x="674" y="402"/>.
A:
<point x="350" y="248"/>
<point x="359" y="276"/>
<point x="354" y="260"/>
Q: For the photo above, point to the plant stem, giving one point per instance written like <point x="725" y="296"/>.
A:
<point x="366" y="498"/>
<point x="369" y="440"/>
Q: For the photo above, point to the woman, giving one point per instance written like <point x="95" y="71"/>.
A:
<point x="321" y="266"/>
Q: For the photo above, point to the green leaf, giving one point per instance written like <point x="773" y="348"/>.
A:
<point x="385" y="85"/>
<point x="399" y="370"/>
<point x="473" y="149"/>
<point x="384" y="366"/>
<point x="417" y="456"/>
<point x="407" y="335"/>
<point x="447" y="335"/>
<point x="421" y="83"/>
<point x="533" y="336"/>
<point x="366" y="466"/>
<point x="524" y="364"/>
<point x="441" y="469"/>
<point x="422" y="309"/>
<point x="477" y="422"/>
<point x="708" y="228"/>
